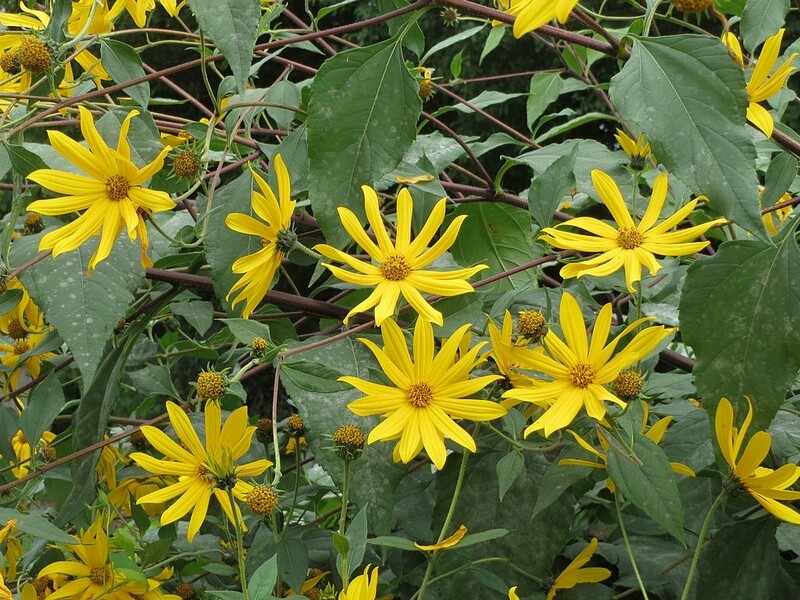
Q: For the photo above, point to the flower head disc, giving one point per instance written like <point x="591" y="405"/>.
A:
<point x="203" y="469"/>
<point x="400" y="268"/>
<point x="258" y="269"/>
<point x="767" y="486"/>
<point x="575" y="573"/>
<point x="579" y="369"/>
<point x="630" y="245"/>
<point x="111" y="195"/>
<point x="426" y="394"/>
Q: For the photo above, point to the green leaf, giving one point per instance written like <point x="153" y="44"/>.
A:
<point x="341" y="544"/>
<point x="36" y="526"/>
<point x="558" y="479"/>
<point x="356" y="540"/>
<point x="739" y="311"/>
<point x="390" y="541"/>
<point x="449" y="41"/>
<point x="246" y="330"/>
<point x="313" y="377"/>
<point x="740" y="562"/>
<point x="492" y="41"/>
<point x="198" y="313"/>
<point x="286" y="93"/>
<point x="544" y="90"/>
<point x="45" y="404"/>
<point x="152" y="380"/>
<point x="9" y="426"/>
<point x="482" y="537"/>
<point x="362" y="118"/>
<point x="498" y="235"/>
<point x="689" y="98"/>
<point x="508" y="469"/>
<point x="85" y="310"/>
<point x="233" y="25"/>
<point x="9" y="300"/>
<point x="761" y="19"/>
<point x="549" y="187"/>
<point x="780" y="174"/>
<point x="23" y="160"/>
<point x="647" y="481"/>
<point x="124" y="64"/>
<point x="262" y="582"/>
<point x="292" y="561"/>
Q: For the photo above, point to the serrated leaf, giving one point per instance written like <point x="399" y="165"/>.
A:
<point x="549" y="187"/>
<point x="498" y="235"/>
<point x="36" y="526"/>
<point x="508" y="469"/>
<point x="689" y="98"/>
<point x="740" y="312"/>
<point x="85" y="310"/>
<point x="124" y="64"/>
<point x="198" y="313"/>
<point x="740" y="562"/>
<point x="647" y="481"/>
<point x="45" y="404"/>
<point x="362" y="118"/>
<point x="263" y="580"/>
<point x="544" y="90"/>
<point x="761" y="19"/>
<point x="233" y="25"/>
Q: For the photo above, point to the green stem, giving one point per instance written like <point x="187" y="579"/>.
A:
<point x="297" y="461"/>
<point x="628" y="546"/>
<point x="426" y="580"/>
<point x="240" y="558"/>
<point x="307" y="251"/>
<point x="700" y="541"/>
<point x="343" y="521"/>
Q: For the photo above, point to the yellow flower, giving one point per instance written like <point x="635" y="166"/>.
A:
<point x="25" y="315"/>
<point x="276" y="237"/>
<point x="5" y="593"/>
<point x="426" y="392"/>
<point x="448" y="542"/>
<point x="762" y="85"/>
<point x="780" y="214"/>
<point x="363" y="587"/>
<point x="137" y="487"/>
<point x="202" y="469"/>
<point x="504" y="351"/>
<point x="579" y="369"/>
<point x="401" y="265"/>
<point x="575" y="574"/>
<point x="655" y="433"/>
<point x="23" y="451"/>
<point x="512" y="593"/>
<point x="103" y="16"/>
<point x="94" y="574"/>
<point x="112" y="194"/>
<point x="629" y="246"/>
<point x="637" y="150"/>
<point x="12" y="551"/>
<point x="532" y="14"/>
<point x="766" y="485"/>
<point x="32" y="363"/>
<point x="314" y="577"/>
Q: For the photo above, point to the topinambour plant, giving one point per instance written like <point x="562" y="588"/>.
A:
<point x="417" y="300"/>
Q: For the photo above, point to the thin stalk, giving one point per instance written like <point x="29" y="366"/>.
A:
<point x="628" y="547"/>
<point x="700" y="542"/>
<point x="240" y="558"/>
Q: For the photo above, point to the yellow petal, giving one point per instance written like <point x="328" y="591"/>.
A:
<point x="448" y="542"/>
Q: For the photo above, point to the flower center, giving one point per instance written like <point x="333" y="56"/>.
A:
<point x="21" y="347"/>
<point x="395" y="268"/>
<point x="581" y="375"/>
<point x="16" y="330"/>
<point x="205" y="474"/>
<point x="628" y="385"/>
<point x="629" y="238"/>
<point x="9" y="62"/>
<point x="33" y="55"/>
<point x="99" y="575"/>
<point x="117" y="187"/>
<point x="420" y="394"/>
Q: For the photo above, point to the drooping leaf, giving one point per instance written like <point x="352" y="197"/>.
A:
<point x="761" y="19"/>
<point x="124" y="64"/>
<point x="689" y="98"/>
<point x="292" y="561"/>
<point x="497" y="235"/>
<point x="740" y="313"/>
<point x="233" y="25"/>
<point x="544" y="90"/>
<point x="36" y="526"/>
<point x="508" y="469"/>
<point x="647" y="481"/>
<point x="85" y="310"/>
<point x="362" y="116"/>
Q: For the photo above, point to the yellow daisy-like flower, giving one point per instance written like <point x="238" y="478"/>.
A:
<point x="10" y="355"/>
<point x="770" y="218"/>
<point x="277" y="238"/>
<point x="637" y="150"/>
<point x="504" y="352"/>
<point x="94" y="574"/>
<point x="363" y="587"/>
<point x="532" y="14"/>
<point x="630" y="245"/>
<point x="575" y="573"/>
<point x="112" y="194"/>
<point x="23" y="451"/>
<point x="400" y="265"/>
<point x="12" y="552"/>
<point x="579" y="369"/>
<point x="427" y="392"/>
<point x="137" y="487"/>
<point x="104" y="15"/>
<point x="655" y="433"/>
<point x="25" y="315"/>
<point x="762" y="85"/>
<point x="5" y="593"/>
<point x="202" y="469"/>
<point x="766" y="485"/>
